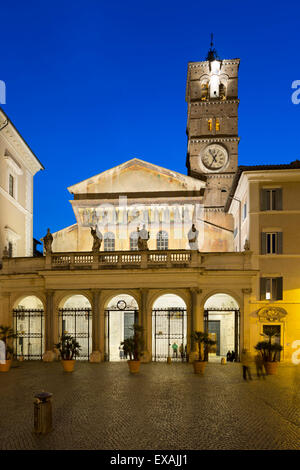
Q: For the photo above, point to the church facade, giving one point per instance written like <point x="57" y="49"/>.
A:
<point x="215" y="250"/>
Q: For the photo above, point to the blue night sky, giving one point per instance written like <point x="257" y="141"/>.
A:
<point x="93" y="84"/>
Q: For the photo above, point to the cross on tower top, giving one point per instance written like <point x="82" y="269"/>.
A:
<point x="212" y="53"/>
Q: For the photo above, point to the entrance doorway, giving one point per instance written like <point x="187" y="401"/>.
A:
<point x="169" y="324"/>
<point x="29" y="329"/>
<point x="120" y="316"/>
<point x="75" y="319"/>
<point x="222" y="323"/>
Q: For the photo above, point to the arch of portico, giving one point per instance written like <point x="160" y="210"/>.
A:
<point x="194" y="298"/>
<point x="28" y="321"/>
<point x="222" y="309"/>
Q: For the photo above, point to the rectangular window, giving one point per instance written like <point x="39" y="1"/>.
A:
<point x="271" y="199"/>
<point x="10" y="249"/>
<point x="271" y="288"/>
<point x="11" y="186"/>
<point x="245" y="211"/>
<point x="271" y="242"/>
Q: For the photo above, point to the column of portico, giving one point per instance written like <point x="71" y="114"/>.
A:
<point x="97" y="329"/>
<point x="49" y="354"/>
<point x="195" y="321"/>
<point x="145" y="322"/>
<point x="6" y="315"/>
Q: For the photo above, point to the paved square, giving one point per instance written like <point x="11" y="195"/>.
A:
<point x="101" y="406"/>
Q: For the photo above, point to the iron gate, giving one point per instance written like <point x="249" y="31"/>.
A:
<point x="130" y="317"/>
<point x="169" y="334"/>
<point x="29" y="330"/>
<point x="77" y="322"/>
<point x="236" y="328"/>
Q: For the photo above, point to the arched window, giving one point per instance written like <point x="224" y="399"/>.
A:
<point x="209" y="124"/>
<point x="109" y="241"/>
<point x="217" y="124"/>
<point x="204" y="91"/>
<point x="222" y="91"/>
<point x="133" y="240"/>
<point x="162" y="240"/>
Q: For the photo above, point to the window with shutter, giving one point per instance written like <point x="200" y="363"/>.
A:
<point x="271" y="288"/>
<point x="271" y="199"/>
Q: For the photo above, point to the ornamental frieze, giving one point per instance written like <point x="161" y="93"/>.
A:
<point x="272" y="314"/>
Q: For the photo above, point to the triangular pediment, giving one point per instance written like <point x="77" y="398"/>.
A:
<point x="136" y="176"/>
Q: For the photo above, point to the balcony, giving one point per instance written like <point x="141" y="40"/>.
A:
<point x="128" y="260"/>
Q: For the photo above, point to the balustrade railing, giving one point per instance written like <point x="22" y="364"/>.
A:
<point x="134" y="259"/>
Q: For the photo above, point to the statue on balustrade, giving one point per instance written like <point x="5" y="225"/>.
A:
<point x="193" y="238"/>
<point x="97" y="240"/>
<point x="48" y="239"/>
<point x="143" y="237"/>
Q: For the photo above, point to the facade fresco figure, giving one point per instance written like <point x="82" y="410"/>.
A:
<point x="97" y="240"/>
<point x="48" y="240"/>
<point x="193" y="238"/>
<point x="143" y="237"/>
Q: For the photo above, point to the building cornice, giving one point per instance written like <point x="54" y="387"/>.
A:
<point x="214" y="139"/>
<point x="17" y="142"/>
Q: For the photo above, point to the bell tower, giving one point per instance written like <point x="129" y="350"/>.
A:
<point x="212" y="124"/>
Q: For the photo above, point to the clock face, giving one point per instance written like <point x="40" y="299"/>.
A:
<point x="214" y="157"/>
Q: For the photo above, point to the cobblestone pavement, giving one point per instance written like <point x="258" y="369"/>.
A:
<point x="102" y="406"/>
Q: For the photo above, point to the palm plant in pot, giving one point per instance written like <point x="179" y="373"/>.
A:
<point x="133" y="348"/>
<point x="270" y="350"/>
<point x="69" y="350"/>
<point x="6" y="335"/>
<point x="204" y="342"/>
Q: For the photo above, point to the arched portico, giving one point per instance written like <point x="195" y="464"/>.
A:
<point x="29" y="327"/>
<point x="121" y="312"/>
<point x="222" y="323"/>
<point x="75" y="319"/>
<point x="169" y="327"/>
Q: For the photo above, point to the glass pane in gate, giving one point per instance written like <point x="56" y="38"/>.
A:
<point x="169" y="334"/>
<point x="29" y="330"/>
<point x="77" y="323"/>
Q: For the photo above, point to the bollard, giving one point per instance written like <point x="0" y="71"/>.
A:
<point x="223" y="361"/>
<point x="169" y="360"/>
<point x="42" y="413"/>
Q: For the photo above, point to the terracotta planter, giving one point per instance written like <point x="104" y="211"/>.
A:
<point x="271" y="368"/>
<point x="68" y="365"/>
<point x="5" y="367"/>
<point x="134" y="366"/>
<point x="199" y="367"/>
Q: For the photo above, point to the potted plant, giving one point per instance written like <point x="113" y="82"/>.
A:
<point x="270" y="350"/>
<point x="6" y="335"/>
<point x="69" y="349"/>
<point x="204" y="342"/>
<point x="133" y="348"/>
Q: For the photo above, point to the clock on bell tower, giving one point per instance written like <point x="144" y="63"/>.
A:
<point x="212" y="124"/>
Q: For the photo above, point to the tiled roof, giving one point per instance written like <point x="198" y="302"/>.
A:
<point x="295" y="165"/>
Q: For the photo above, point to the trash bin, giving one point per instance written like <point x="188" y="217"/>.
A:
<point x="43" y="413"/>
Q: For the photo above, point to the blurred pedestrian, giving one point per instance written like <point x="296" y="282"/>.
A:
<point x="246" y="363"/>
<point x="259" y="363"/>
